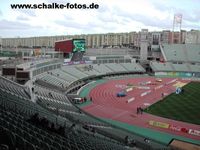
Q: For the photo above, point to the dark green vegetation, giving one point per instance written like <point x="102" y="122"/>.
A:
<point x="183" y="107"/>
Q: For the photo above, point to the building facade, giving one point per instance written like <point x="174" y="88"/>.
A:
<point x="193" y="36"/>
<point x="0" y="42"/>
<point x="144" y="42"/>
<point x="127" y="39"/>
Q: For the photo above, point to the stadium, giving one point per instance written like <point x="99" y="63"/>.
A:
<point x="75" y="98"/>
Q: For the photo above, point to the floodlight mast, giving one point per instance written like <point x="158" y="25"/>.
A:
<point x="1" y="44"/>
<point x="177" y="23"/>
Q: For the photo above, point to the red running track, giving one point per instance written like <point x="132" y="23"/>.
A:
<point x="107" y="105"/>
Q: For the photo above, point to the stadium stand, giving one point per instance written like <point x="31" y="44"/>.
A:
<point x="101" y="68"/>
<point x="14" y="88"/>
<point x="174" y="52"/>
<point x="51" y="98"/>
<point x="132" y="67"/>
<point x="74" y="72"/>
<point x="64" y="75"/>
<point x="180" y="67"/>
<point x="169" y="66"/>
<point x="195" y="68"/>
<point x="26" y="125"/>
<point x="156" y="66"/>
<point x="54" y="80"/>
<point x="22" y="134"/>
<point x="51" y="94"/>
<point x="68" y="126"/>
<point x="68" y="74"/>
<point x="193" y="52"/>
<point x="181" y="52"/>
<point x="116" y="67"/>
<point x="88" y="69"/>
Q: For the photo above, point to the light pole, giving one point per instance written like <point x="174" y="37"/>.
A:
<point x="1" y="43"/>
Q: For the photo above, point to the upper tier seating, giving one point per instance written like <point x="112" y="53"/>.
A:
<point x="182" y="52"/>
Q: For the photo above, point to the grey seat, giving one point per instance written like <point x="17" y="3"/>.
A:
<point x="29" y="146"/>
<point x="4" y="147"/>
<point x="45" y="146"/>
<point x="19" y="142"/>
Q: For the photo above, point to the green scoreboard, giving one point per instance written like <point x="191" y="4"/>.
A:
<point x="79" y="45"/>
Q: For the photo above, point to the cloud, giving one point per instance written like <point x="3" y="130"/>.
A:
<point x="197" y="16"/>
<point x="112" y="16"/>
<point x="27" y="12"/>
<point x="15" y="25"/>
<point x="1" y="14"/>
<point x="107" y="17"/>
<point x="123" y="17"/>
<point x="70" y="24"/>
<point x="192" y="17"/>
<point x="22" y="18"/>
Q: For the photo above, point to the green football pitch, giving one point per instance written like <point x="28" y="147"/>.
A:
<point x="183" y="107"/>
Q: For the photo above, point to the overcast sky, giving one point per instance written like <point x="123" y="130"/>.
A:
<point x="112" y="16"/>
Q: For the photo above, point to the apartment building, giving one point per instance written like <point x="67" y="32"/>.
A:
<point x="193" y="36"/>
<point x="108" y="39"/>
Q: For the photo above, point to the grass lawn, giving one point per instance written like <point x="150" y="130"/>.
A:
<point x="183" y="107"/>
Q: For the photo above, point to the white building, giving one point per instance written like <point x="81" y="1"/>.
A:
<point x="193" y="36"/>
<point x="144" y="44"/>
